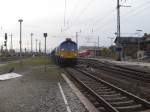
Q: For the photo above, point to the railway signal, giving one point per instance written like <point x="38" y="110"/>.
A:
<point x="5" y="42"/>
<point x="45" y="35"/>
<point x="5" y="36"/>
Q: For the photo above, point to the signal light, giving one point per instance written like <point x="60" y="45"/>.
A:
<point x="5" y="36"/>
<point x="5" y="44"/>
<point x="45" y="34"/>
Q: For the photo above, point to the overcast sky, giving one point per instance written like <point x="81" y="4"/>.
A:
<point x="92" y="17"/>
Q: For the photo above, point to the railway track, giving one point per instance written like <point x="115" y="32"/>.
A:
<point x="120" y="70"/>
<point x="105" y="96"/>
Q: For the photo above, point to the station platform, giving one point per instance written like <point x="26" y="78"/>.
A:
<point x="137" y="65"/>
<point x="40" y="91"/>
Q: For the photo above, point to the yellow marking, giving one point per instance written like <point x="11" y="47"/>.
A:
<point x="68" y="54"/>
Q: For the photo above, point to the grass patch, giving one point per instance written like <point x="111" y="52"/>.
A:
<point x="29" y="62"/>
<point x="37" y="61"/>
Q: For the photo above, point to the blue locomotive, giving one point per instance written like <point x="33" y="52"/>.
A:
<point x="66" y="53"/>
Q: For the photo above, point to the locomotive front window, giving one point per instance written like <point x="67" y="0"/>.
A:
<point x="69" y="46"/>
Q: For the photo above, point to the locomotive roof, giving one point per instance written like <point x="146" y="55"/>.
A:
<point x="68" y="40"/>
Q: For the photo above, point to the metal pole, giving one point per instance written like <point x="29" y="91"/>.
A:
<point x="45" y="35"/>
<point x="31" y="43"/>
<point x="6" y="44"/>
<point x="118" y="27"/>
<point x="20" y="41"/>
<point x="118" y="18"/>
<point x="45" y="46"/>
<point x="65" y="14"/>
<point x="11" y="42"/>
<point x="45" y="50"/>
<point x="77" y="38"/>
<point x="36" y="45"/>
<point x="95" y="50"/>
<point x="98" y="41"/>
<point x="39" y="46"/>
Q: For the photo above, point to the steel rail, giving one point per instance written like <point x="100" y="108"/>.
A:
<point x="102" y="100"/>
<point x="131" y="74"/>
<point x="108" y="107"/>
<point x="142" y="101"/>
<point x="115" y="65"/>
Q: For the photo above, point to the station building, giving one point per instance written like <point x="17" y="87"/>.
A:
<point x="132" y="45"/>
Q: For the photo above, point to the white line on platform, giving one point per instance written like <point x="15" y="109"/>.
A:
<point x="88" y="105"/>
<point x="64" y="98"/>
<point x="9" y="76"/>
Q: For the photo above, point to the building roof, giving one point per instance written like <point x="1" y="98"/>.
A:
<point x="132" y="40"/>
<point x="126" y="40"/>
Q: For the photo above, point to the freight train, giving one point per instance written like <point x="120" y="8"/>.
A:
<point x="66" y="53"/>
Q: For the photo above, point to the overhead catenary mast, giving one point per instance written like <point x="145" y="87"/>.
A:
<point x="65" y="14"/>
<point x="118" y="18"/>
<point x="118" y="27"/>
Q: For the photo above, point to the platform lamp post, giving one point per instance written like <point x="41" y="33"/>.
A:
<point x="20" y="21"/>
<point x="31" y="43"/>
<point x="45" y="35"/>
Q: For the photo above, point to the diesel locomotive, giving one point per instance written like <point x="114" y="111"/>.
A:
<point x="66" y="53"/>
